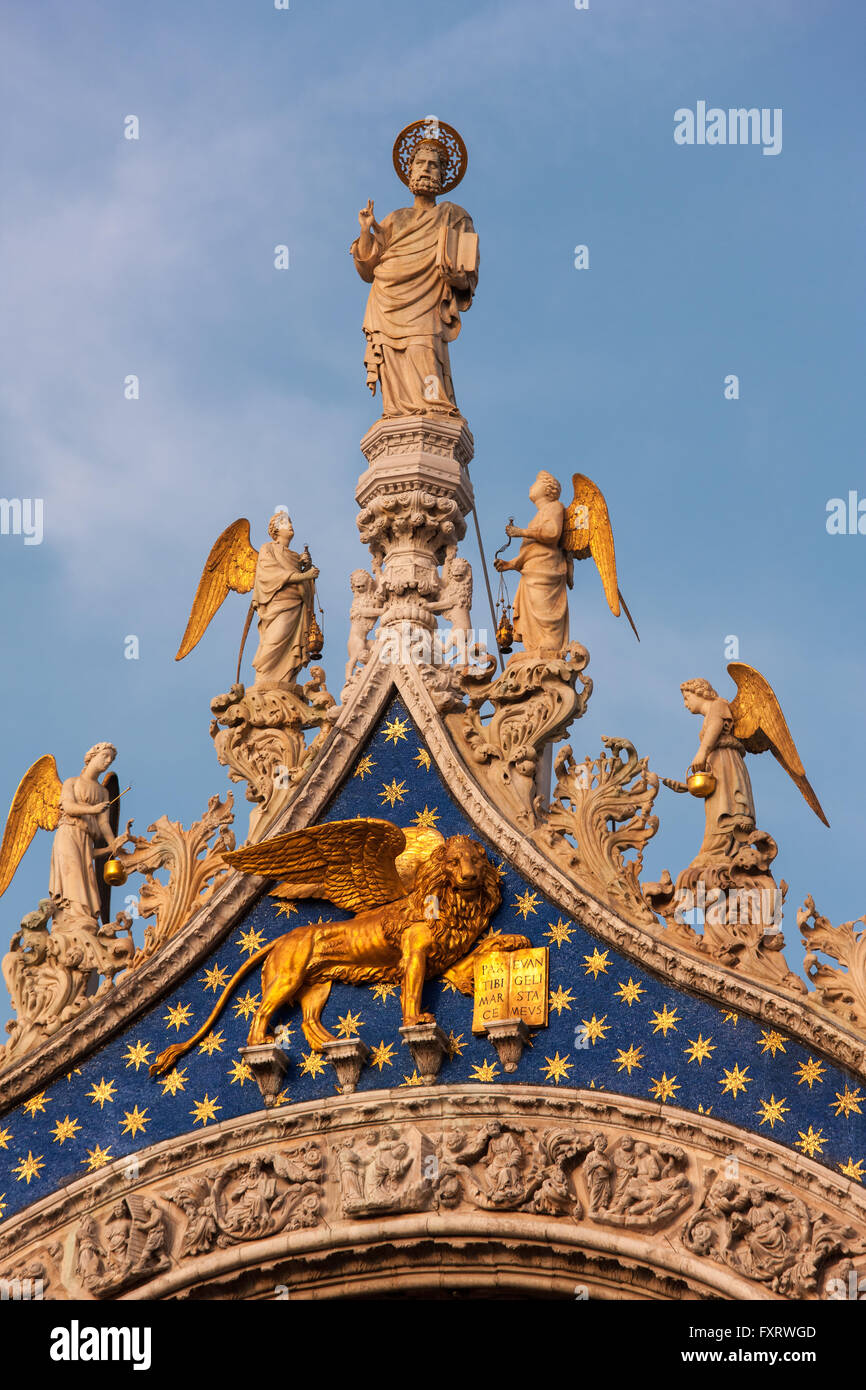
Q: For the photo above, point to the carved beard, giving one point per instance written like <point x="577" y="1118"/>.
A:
<point x="425" y="183"/>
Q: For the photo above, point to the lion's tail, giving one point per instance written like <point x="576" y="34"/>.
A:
<point x="167" y="1058"/>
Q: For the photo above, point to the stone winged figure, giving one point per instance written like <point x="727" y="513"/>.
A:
<point x="421" y="264"/>
<point x="78" y="811"/>
<point x="283" y="597"/>
<point x="556" y="537"/>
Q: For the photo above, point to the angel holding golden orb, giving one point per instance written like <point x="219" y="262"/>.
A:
<point x="421" y="264"/>
<point x="79" y="811"/>
<point x="556" y="537"/>
<point x="282" y="584"/>
<point x="734" y="854"/>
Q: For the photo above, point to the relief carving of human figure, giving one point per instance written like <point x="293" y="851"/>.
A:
<point x="417" y="293"/>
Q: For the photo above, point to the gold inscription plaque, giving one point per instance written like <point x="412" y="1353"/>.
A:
<point x="511" y="985"/>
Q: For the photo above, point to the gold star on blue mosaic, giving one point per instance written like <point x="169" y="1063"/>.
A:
<point x="812" y="1142"/>
<point x="771" y="1041"/>
<point x="205" y="1110"/>
<point x="3" y="1203"/>
<point x="734" y="1080"/>
<point x="5" y="1137"/>
<point x="487" y="1071"/>
<point x="810" y="1072"/>
<point x="847" y="1102"/>
<point x="630" y="993"/>
<point x="212" y="1043"/>
<point x="365" y="766"/>
<point x="628" y="1058"/>
<point x="772" y="1111"/>
<point x="101" y="1092"/>
<point x="731" y="1018"/>
<point x="699" y="1049"/>
<point x="526" y="903"/>
<point x="214" y="978"/>
<point x="239" y="1072"/>
<point x="97" y="1157"/>
<point x="702" y="1111"/>
<point x="422" y="759"/>
<point x="413" y="1080"/>
<point x="29" y="1167"/>
<point x="178" y="1016"/>
<point x="393" y="792"/>
<point x="560" y="999"/>
<point x="559" y="932"/>
<point x="312" y="1063"/>
<point x="595" y="1028"/>
<point x="349" y="1023"/>
<point x="383" y="1055"/>
<point x="664" y="1088"/>
<point x="381" y="992"/>
<point x="557" y="1068"/>
<point x="286" y="908"/>
<point x="65" y="1129"/>
<point x="664" y="1019"/>
<point x="36" y="1105"/>
<point x="395" y="729"/>
<point x="173" y="1082"/>
<point x="135" y="1120"/>
<point x="251" y="941"/>
<point x="137" y="1054"/>
<point x="246" y="1005"/>
<point x="597" y="963"/>
<point x="852" y="1169"/>
<point x="426" y="819"/>
<point x="456" y="1045"/>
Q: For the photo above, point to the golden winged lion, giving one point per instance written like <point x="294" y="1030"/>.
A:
<point x="420" y="903"/>
<point x="554" y="538"/>
<point x="282" y="583"/>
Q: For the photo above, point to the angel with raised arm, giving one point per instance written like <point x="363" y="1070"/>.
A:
<point x="556" y="537"/>
<point x="282" y="584"/>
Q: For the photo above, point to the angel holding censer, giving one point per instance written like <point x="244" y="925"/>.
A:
<point x="283" y="585"/>
<point x="556" y="537"/>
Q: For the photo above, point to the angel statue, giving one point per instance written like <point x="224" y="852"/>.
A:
<point x="735" y="856"/>
<point x="421" y="264"/>
<point x="82" y="811"/>
<point x="556" y="537"/>
<point x="282" y="584"/>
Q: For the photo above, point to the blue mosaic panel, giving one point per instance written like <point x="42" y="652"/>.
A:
<point x="614" y="1026"/>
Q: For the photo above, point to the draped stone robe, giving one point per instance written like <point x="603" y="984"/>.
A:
<point x="412" y="313"/>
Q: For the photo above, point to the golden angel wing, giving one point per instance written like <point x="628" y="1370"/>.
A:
<point x="231" y="565"/>
<point x="350" y="863"/>
<point x="35" y="806"/>
<point x="587" y="532"/>
<point x="759" y="724"/>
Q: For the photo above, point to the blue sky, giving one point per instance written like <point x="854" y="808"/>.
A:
<point x="261" y="127"/>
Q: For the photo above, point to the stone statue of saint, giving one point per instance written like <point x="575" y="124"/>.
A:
<point x="83" y="821"/>
<point x="283" y="596"/>
<point x="422" y="267"/>
<point x="545" y="569"/>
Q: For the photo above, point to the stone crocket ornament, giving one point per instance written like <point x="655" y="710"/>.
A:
<point x="282" y="584"/>
<point x="421" y="264"/>
<point x="553" y="540"/>
<point x="420" y="901"/>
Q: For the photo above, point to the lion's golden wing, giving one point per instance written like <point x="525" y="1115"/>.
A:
<point x="230" y="566"/>
<point x="35" y="806"/>
<point x="759" y="724"/>
<point x="350" y="863"/>
<point x="587" y="531"/>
